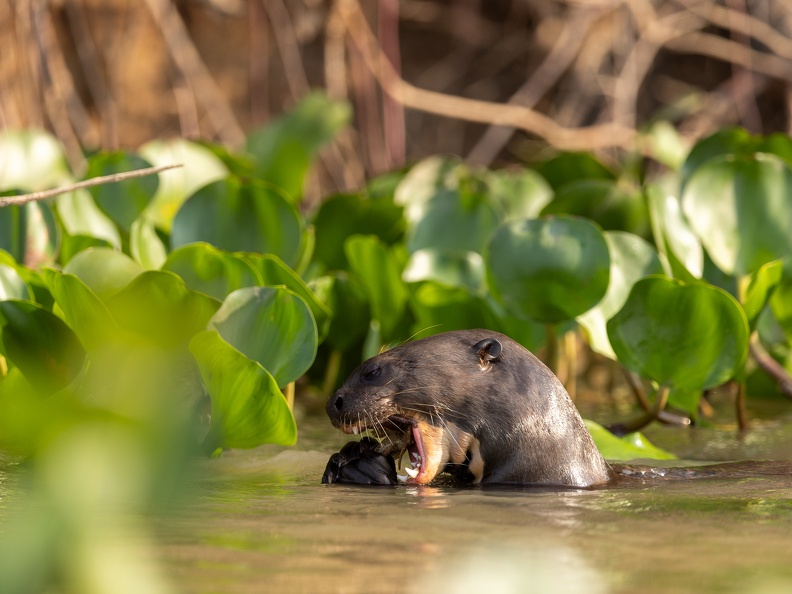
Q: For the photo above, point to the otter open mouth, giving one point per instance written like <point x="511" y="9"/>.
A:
<point x="428" y="447"/>
<point x="415" y="437"/>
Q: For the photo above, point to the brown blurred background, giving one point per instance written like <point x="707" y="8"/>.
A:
<point x="567" y="74"/>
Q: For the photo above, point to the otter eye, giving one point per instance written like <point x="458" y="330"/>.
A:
<point x="372" y="374"/>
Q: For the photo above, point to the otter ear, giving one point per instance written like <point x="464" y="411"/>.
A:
<point x="488" y="350"/>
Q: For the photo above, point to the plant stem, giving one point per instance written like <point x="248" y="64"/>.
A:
<point x="739" y="401"/>
<point x="331" y="372"/>
<point x="289" y="393"/>
<point x="770" y="366"/>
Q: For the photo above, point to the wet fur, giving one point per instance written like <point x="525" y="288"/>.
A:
<point x="528" y="429"/>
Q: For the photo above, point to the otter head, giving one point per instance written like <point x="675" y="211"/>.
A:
<point x="421" y="399"/>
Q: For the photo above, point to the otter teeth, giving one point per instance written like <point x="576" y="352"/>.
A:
<point x="413" y="472"/>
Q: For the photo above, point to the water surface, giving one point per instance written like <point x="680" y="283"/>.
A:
<point x="263" y="523"/>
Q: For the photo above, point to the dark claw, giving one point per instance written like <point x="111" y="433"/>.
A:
<point x="359" y="463"/>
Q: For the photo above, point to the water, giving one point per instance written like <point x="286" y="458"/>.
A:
<point x="263" y="523"/>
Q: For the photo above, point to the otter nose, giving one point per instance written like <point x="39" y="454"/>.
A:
<point x="335" y="405"/>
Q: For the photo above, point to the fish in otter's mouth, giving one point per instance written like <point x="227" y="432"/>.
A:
<point x="429" y="447"/>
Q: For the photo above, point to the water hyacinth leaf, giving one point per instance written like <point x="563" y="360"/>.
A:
<point x="763" y="283"/>
<point x="529" y="333"/>
<point x="41" y="345"/>
<point x="209" y="270"/>
<point x="603" y="201"/>
<point x="455" y="269"/>
<point x="691" y="337"/>
<point x="551" y="269"/>
<point x="459" y="219"/>
<point x="12" y="285"/>
<point x="123" y="201"/>
<point x="348" y="301"/>
<point x="739" y="207"/>
<point x="272" y="326"/>
<point x="241" y="216"/>
<point x="665" y="144"/>
<point x="377" y="268"/>
<point x="273" y="271"/>
<point x="344" y="215"/>
<point x="424" y="181"/>
<point x="631" y="258"/>
<point x="248" y="409"/>
<point x="199" y="167"/>
<point x="145" y="245"/>
<point x="442" y="308"/>
<point x="518" y="194"/>
<point x="732" y="140"/>
<point x="80" y="216"/>
<point x="676" y="241"/>
<point x="29" y="233"/>
<point x="686" y="401"/>
<point x="159" y="308"/>
<point x="569" y="167"/>
<point x="105" y="271"/>
<point x="83" y="311"/>
<point x="633" y="446"/>
<point x="71" y="245"/>
<point x="781" y="301"/>
<point x="31" y="160"/>
<point x="285" y="148"/>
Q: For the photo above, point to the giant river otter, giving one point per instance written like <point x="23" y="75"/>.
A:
<point x="473" y="403"/>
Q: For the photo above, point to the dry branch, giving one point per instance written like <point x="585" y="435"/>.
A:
<point x="88" y="183"/>
<point x="473" y="110"/>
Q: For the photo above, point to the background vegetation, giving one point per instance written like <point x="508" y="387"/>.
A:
<point x="600" y="209"/>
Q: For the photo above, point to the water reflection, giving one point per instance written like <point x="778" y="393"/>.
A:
<point x="514" y="569"/>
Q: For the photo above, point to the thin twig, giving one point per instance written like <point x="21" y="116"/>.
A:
<point x="770" y="366"/>
<point x="485" y="112"/>
<point x="188" y="60"/>
<point x="88" y="183"/>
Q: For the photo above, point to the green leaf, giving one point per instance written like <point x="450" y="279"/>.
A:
<point x="456" y="219"/>
<point x="551" y="269"/>
<point x="631" y="258"/>
<point x="71" y="245"/>
<point x="41" y="345"/>
<point x="739" y="206"/>
<point x="270" y="325"/>
<point x="12" y="286"/>
<point x="781" y="300"/>
<point x="455" y="269"/>
<point x="518" y="194"/>
<point x="442" y="308"/>
<point x="285" y="148"/>
<point x="344" y="215"/>
<point x="82" y="310"/>
<point x="378" y="270"/>
<point x="123" y="201"/>
<point x="275" y="272"/>
<point x="727" y="141"/>
<point x="351" y="312"/>
<point x="206" y="269"/>
<point x="29" y="233"/>
<point x="241" y="216"/>
<point x="424" y="181"/>
<point x="568" y="167"/>
<point x="80" y="216"/>
<point x="104" y="270"/>
<point x="248" y="409"/>
<point x="159" y="308"/>
<point x="604" y="202"/>
<point x="145" y="245"/>
<point x="677" y="244"/>
<point x="630" y="447"/>
<point x="684" y="336"/>
<point x="763" y="283"/>
<point x="199" y="167"/>
<point x="31" y="160"/>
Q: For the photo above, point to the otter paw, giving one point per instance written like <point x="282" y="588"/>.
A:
<point x="359" y="463"/>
